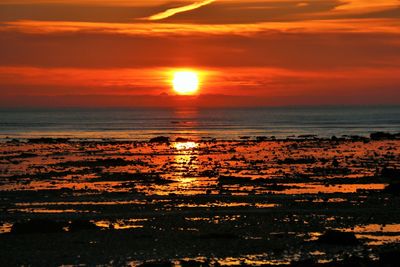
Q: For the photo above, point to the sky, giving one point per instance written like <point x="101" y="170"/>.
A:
<point x="120" y="53"/>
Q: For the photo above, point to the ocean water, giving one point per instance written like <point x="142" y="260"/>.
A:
<point x="142" y="124"/>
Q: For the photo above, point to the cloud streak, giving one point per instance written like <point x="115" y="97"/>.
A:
<point x="173" y="11"/>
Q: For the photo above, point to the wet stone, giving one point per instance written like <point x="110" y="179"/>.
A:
<point x="37" y="226"/>
<point x="334" y="237"/>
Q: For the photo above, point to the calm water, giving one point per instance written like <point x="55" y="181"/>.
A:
<point x="139" y="124"/>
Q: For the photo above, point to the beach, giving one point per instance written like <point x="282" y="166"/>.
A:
<point x="254" y="201"/>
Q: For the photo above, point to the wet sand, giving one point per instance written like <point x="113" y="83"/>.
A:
<point x="200" y="203"/>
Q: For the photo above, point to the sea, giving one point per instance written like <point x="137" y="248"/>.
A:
<point x="197" y="123"/>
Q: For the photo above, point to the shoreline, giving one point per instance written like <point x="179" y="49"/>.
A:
<point x="183" y="138"/>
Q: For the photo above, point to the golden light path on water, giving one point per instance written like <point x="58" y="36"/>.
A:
<point x="185" y="161"/>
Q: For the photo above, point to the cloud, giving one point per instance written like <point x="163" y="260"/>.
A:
<point x="370" y="5"/>
<point x="170" y="12"/>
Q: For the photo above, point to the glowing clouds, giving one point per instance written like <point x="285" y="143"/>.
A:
<point x="170" y="12"/>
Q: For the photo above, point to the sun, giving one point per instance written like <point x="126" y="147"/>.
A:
<point x="185" y="82"/>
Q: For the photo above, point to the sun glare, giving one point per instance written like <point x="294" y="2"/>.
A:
<point x="185" y="82"/>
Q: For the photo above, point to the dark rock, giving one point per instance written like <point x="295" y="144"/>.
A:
<point x="157" y="264"/>
<point x="392" y="189"/>
<point x="25" y="155"/>
<point x="334" y="237"/>
<point x="13" y="141"/>
<point x="308" y="160"/>
<point x="82" y="225"/>
<point x="330" y="171"/>
<point x="303" y="263"/>
<point x="357" y="138"/>
<point x="139" y="177"/>
<point x="222" y="179"/>
<point x="390" y="173"/>
<point x="307" y="136"/>
<point x="48" y="140"/>
<point x="208" y="173"/>
<point x="389" y="258"/>
<point x="182" y="140"/>
<point x="261" y="138"/>
<point x="335" y="163"/>
<point x="194" y="263"/>
<point x="37" y="226"/>
<point x="219" y="236"/>
<point x="381" y="136"/>
<point x="159" y="139"/>
<point x="108" y="162"/>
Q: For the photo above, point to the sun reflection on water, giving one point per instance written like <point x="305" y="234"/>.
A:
<point x="186" y="164"/>
<point x="185" y="145"/>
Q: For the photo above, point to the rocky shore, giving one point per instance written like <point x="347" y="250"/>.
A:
<point x="256" y="201"/>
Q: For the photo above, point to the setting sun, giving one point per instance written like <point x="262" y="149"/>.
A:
<point x="185" y="82"/>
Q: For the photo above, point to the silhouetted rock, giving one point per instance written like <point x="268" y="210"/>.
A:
<point x="140" y="177"/>
<point x="182" y="140"/>
<point x="308" y="160"/>
<point x="194" y="263"/>
<point x="393" y="189"/>
<point x="303" y="263"/>
<point x="48" y="140"/>
<point x="334" y="237"/>
<point x="357" y="138"/>
<point x="261" y="138"/>
<point x="159" y="139"/>
<point x="81" y="225"/>
<point x="13" y="141"/>
<point x="157" y="264"/>
<point x="223" y="179"/>
<point x="390" y="173"/>
<point x="108" y="162"/>
<point x="335" y="163"/>
<point x="219" y="236"/>
<point x="37" y="226"/>
<point x="208" y="173"/>
<point x="307" y="136"/>
<point x="389" y="258"/>
<point x="381" y="136"/>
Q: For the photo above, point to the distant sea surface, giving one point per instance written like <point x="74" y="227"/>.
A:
<point x="142" y="124"/>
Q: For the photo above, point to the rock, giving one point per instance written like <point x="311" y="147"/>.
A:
<point x="307" y="160"/>
<point x="48" y="140"/>
<point x="261" y="138"/>
<point x="208" y="173"/>
<point x="157" y="264"/>
<point x="389" y="258"/>
<point x="194" y="263"/>
<point x="381" y="136"/>
<point x="307" y="136"/>
<point x="37" y="226"/>
<point x="335" y="237"/>
<point x="390" y="173"/>
<point x="303" y="263"/>
<point x="82" y="225"/>
<point x="223" y="179"/>
<point x="219" y="236"/>
<point x="182" y="140"/>
<point x="392" y="189"/>
<point x="335" y="163"/>
<point x="159" y="139"/>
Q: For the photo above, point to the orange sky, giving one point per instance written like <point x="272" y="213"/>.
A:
<point x="253" y="52"/>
